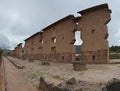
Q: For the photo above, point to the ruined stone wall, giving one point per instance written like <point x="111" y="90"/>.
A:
<point x="56" y="43"/>
<point x="42" y="44"/>
<point x="28" y="48"/>
<point x="47" y="44"/>
<point x="12" y="53"/>
<point x="93" y="27"/>
<point x="65" y="40"/>
<point x="19" y="50"/>
<point x="25" y="54"/>
<point x="33" y="47"/>
<point x="37" y="46"/>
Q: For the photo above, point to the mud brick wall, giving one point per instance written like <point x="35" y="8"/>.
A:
<point x="56" y="41"/>
<point x="94" y="33"/>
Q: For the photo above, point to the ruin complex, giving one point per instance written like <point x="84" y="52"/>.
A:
<point x="56" y="42"/>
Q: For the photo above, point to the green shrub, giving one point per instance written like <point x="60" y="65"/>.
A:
<point x="1" y="51"/>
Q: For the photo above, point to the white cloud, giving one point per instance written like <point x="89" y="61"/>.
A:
<point x="118" y="33"/>
<point x="4" y="42"/>
<point x="22" y="18"/>
<point x="119" y="42"/>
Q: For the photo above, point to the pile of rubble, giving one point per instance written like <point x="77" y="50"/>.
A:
<point x="112" y="85"/>
<point x="73" y="85"/>
<point x="69" y="85"/>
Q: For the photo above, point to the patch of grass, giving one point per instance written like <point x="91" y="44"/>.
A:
<point x="37" y="74"/>
<point x="33" y="76"/>
<point x="38" y="88"/>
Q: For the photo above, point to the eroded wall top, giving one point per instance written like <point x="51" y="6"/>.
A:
<point x="93" y="27"/>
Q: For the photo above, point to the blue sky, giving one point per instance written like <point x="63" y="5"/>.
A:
<point x="20" y="19"/>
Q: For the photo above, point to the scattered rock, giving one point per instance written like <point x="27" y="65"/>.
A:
<point x="79" y="65"/>
<point x="71" y="81"/>
<point x="112" y="85"/>
<point x="31" y="60"/>
<point x="45" y="63"/>
<point x="57" y="88"/>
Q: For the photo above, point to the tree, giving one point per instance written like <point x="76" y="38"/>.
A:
<point x="115" y="49"/>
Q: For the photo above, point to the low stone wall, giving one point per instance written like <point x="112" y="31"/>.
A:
<point x="16" y="64"/>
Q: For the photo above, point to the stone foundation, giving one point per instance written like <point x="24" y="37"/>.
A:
<point x="96" y="57"/>
<point x="62" y="58"/>
<point x="79" y="66"/>
<point x="45" y="63"/>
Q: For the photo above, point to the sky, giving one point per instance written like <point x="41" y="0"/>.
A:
<point x="20" y="19"/>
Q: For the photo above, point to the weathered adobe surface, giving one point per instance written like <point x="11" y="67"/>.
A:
<point x="93" y="26"/>
<point x="94" y="33"/>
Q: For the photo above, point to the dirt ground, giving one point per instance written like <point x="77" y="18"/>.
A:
<point x="14" y="79"/>
<point x="60" y="72"/>
<point x="1" y="77"/>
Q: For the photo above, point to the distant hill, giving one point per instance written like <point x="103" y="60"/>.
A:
<point x="78" y="49"/>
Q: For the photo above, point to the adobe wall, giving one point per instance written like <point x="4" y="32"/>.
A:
<point x="12" y="53"/>
<point x="33" y="46"/>
<point x="37" y="46"/>
<point x="94" y="33"/>
<point x="56" y="42"/>
<point x="18" y="50"/>
<point x="28" y="48"/>
<point x="63" y="31"/>
<point x="65" y="36"/>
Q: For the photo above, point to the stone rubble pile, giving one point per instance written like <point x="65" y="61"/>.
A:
<point x="69" y="85"/>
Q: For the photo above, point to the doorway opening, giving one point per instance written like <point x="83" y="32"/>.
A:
<point x="53" y="50"/>
<point x="93" y="57"/>
<point x="78" y="42"/>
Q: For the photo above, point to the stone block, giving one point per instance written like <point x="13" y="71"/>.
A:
<point x="79" y="65"/>
<point x="45" y="63"/>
